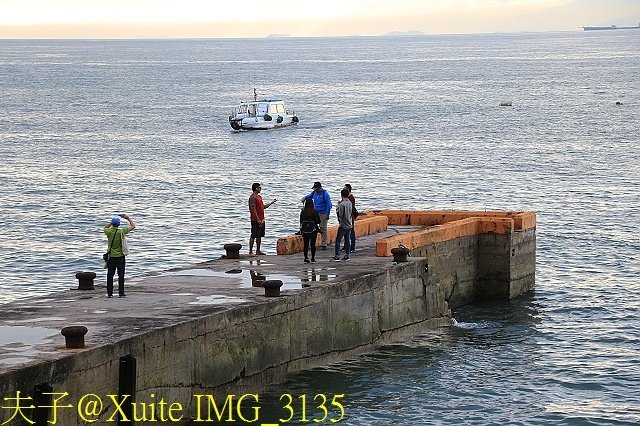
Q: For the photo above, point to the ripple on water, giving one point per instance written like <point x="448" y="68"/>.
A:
<point x="564" y="355"/>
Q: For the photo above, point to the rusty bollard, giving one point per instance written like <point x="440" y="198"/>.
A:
<point x="233" y="250"/>
<point x="272" y="288"/>
<point x="400" y="254"/>
<point x="85" y="280"/>
<point x="74" y="336"/>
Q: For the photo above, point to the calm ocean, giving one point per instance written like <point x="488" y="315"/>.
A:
<point x="89" y="129"/>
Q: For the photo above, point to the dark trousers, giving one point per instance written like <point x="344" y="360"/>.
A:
<point x="310" y="240"/>
<point x="353" y="239"/>
<point x="112" y="264"/>
<point x="346" y="233"/>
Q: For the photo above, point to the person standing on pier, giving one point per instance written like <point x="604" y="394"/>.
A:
<point x="118" y="250"/>
<point x="354" y="214"/>
<point x="309" y="222"/>
<point x="345" y="225"/>
<point x="322" y="204"/>
<point x="256" y="209"/>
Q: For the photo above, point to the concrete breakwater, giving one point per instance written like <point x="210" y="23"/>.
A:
<point x="208" y="329"/>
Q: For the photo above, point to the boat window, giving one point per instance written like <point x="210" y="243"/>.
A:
<point x="280" y="109"/>
<point x="262" y="109"/>
<point x="242" y="109"/>
<point x="252" y="110"/>
<point x="273" y="109"/>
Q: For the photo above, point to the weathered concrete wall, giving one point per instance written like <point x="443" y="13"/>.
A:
<point x="482" y="267"/>
<point x="247" y="346"/>
<point x="472" y="255"/>
<point x="453" y="265"/>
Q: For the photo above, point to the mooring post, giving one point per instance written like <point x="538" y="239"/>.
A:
<point x="233" y="250"/>
<point x="400" y="254"/>
<point x="74" y="336"/>
<point x="272" y="288"/>
<point x="85" y="280"/>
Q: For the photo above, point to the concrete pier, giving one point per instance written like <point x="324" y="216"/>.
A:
<point x="209" y="328"/>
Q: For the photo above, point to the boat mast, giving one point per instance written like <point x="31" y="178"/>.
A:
<point x="255" y="95"/>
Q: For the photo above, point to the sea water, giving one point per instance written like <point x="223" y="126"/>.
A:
<point x="90" y="129"/>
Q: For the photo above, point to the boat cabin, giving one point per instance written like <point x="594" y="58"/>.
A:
<point x="260" y="108"/>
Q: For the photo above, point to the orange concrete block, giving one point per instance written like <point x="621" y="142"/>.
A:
<point x="523" y="220"/>
<point x="495" y="225"/>
<point x="365" y="225"/>
<point x="445" y="232"/>
<point x="368" y="225"/>
<point x="423" y="237"/>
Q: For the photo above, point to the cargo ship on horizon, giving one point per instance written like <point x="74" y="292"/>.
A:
<point x="611" y="27"/>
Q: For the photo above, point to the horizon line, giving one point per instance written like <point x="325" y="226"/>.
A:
<point x="269" y="36"/>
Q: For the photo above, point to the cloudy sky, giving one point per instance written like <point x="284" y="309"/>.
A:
<point x="258" y="18"/>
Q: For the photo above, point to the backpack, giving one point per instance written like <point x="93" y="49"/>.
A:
<point x="308" y="226"/>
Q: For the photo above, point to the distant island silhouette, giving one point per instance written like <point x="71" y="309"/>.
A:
<point x="405" y="33"/>
<point x="278" y="35"/>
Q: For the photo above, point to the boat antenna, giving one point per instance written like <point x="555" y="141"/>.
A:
<point x="255" y="94"/>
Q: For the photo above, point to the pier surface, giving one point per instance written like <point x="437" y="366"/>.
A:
<point x="31" y="327"/>
<point x="209" y="327"/>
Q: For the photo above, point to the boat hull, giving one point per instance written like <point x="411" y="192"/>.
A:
<point x="259" y="123"/>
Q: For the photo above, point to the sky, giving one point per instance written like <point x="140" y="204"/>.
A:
<point x="259" y="18"/>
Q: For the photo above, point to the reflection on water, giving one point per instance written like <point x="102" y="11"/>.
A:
<point x="256" y="262"/>
<point x="317" y="275"/>
<point x="246" y="277"/>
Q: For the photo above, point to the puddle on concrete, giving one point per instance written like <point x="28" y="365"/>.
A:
<point x="25" y="335"/>
<point x="32" y="320"/>
<point x="246" y="277"/>
<point x="217" y="299"/>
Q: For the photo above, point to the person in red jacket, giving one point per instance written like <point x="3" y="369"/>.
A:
<point x="256" y="210"/>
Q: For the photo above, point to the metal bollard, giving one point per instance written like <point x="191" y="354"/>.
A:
<point x="400" y="254"/>
<point x="85" y="280"/>
<point x="272" y="288"/>
<point x="74" y="336"/>
<point x="233" y="250"/>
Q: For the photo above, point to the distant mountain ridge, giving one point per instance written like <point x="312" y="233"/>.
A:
<point x="405" y="33"/>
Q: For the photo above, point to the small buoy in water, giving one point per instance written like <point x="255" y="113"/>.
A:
<point x="505" y="103"/>
<point x="618" y="103"/>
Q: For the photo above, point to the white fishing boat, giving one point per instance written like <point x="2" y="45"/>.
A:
<point x="261" y="114"/>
